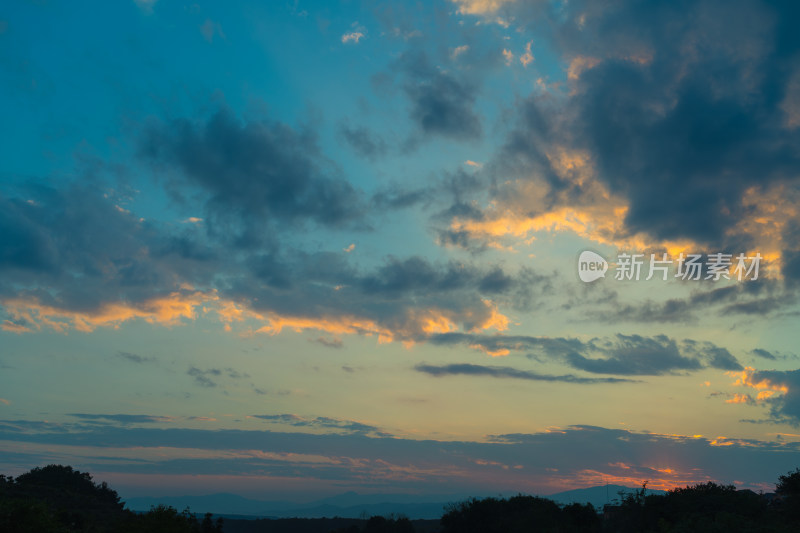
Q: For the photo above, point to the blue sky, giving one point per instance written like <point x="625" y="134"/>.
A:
<point x="302" y="248"/>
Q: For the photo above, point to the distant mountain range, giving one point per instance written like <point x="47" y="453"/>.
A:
<point x="597" y="496"/>
<point x="353" y="505"/>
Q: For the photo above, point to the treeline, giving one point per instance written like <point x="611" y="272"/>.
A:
<point x="58" y="499"/>
<point x="707" y="508"/>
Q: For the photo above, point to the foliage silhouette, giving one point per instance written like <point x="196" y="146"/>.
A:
<point x="518" y="514"/>
<point x="58" y="499"/>
<point x="788" y="488"/>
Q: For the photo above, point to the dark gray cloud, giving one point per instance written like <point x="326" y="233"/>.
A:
<point x="255" y="170"/>
<point x="791" y="264"/>
<point x="627" y="355"/>
<point x="209" y="377"/>
<point x="323" y="422"/>
<point x="508" y="372"/>
<point x="573" y="454"/>
<point x="396" y="197"/>
<point x="326" y="284"/>
<point x="121" y="419"/>
<point x="329" y="342"/>
<point x="681" y="107"/>
<point x="93" y="252"/>
<point x="22" y="243"/>
<point x="636" y="355"/>
<point x="416" y="274"/>
<point x="785" y="407"/>
<point x="721" y="358"/>
<point x="764" y="354"/>
<point x="89" y="250"/>
<point x="669" y="311"/>
<point x="714" y="356"/>
<point x="442" y="103"/>
<point x="364" y="141"/>
<point x="204" y="378"/>
<point x="763" y="297"/>
<point x="135" y="358"/>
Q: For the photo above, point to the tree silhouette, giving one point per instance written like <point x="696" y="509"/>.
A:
<point x="58" y="499"/>
<point x="517" y="514"/>
<point x="788" y="487"/>
<point x="66" y="496"/>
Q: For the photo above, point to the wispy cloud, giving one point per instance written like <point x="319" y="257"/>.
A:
<point x="323" y="422"/>
<point x="508" y="372"/>
<point x="621" y="354"/>
<point x="135" y="358"/>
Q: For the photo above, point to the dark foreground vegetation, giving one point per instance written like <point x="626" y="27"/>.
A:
<point x="58" y="499"/>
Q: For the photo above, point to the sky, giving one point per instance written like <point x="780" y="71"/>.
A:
<point x="292" y="249"/>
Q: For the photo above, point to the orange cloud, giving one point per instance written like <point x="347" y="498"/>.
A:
<point x="769" y="211"/>
<point x="740" y="398"/>
<point x="596" y="214"/>
<point x="527" y="58"/>
<point x="579" y="64"/>
<point x="479" y="7"/>
<point x="29" y="315"/>
<point x="167" y="310"/>
<point x="416" y="325"/>
<point x="7" y="325"/>
<point x="629" y="475"/>
<point x="746" y="378"/>
<point x="498" y="352"/>
<point x="528" y="206"/>
<point x="335" y="325"/>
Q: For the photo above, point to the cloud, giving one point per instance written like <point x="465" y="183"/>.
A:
<point x="323" y="422"/>
<point x="352" y="37"/>
<point x="764" y="354"/>
<point x="441" y="103"/>
<point x="627" y="355"/>
<point x="329" y="342"/>
<point x="338" y="455"/>
<point x="458" y="50"/>
<point x="204" y="377"/>
<point x="636" y="355"/>
<point x="527" y="58"/>
<point x="779" y="389"/>
<point x="480" y="7"/>
<point x="122" y="419"/>
<point x="135" y="358"/>
<point x="364" y="141"/>
<point x="508" y="372"/>
<point x="763" y="297"/>
<point x="741" y="398"/>
<point x="73" y="258"/>
<point x="682" y="136"/>
<point x="260" y="170"/>
<point x="84" y="264"/>
<point x="14" y="327"/>
<point x="209" y="377"/>
<point x="168" y="310"/>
